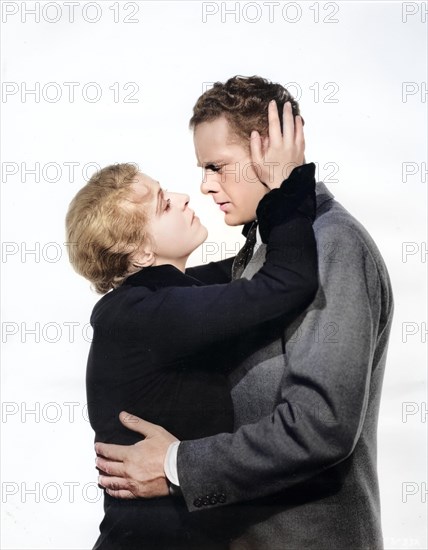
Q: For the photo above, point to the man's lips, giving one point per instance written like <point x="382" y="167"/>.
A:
<point x="223" y="206"/>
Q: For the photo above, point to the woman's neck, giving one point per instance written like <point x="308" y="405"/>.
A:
<point x="179" y="263"/>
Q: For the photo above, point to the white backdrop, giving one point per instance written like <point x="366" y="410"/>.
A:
<point x="86" y="84"/>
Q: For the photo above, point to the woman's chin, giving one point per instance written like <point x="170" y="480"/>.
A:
<point x="204" y="234"/>
<point x="202" y="237"/>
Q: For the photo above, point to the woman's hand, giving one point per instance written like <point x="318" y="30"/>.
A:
<point x="275" y="158"/>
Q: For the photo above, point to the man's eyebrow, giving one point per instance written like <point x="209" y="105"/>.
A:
<point x="204" y="164"/>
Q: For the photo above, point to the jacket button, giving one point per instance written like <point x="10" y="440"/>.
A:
<point x="197" y="502"/>
<point x="213" y="499"/>
<point x="221" y="498"/>
<point x="206" y="501"/>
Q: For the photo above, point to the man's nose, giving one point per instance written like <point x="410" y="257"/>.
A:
<point x="210" y="184"/>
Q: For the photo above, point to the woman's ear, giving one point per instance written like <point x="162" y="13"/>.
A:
<point x="147" y="259"/>
<point x="144" y="258"/>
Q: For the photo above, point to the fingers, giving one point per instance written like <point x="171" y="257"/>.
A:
<point x="299" y="139"/>
<point x="298" y="132"/>
<point x="283" y="149"/>
<point x="275" y="134"/>
<point x="117" y="487"/>
<point x="110" y="467"/>
<point x="112" y="452"/>
<point x="288" y="124"/>
<point x="120" y="493"/>
<point x="265" y="144"/>
<point x="113" y="482"/>
<point x="287" y="135"/>
<point x="138" y="424"/>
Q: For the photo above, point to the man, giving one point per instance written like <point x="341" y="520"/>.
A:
<point x="301" y="464"/>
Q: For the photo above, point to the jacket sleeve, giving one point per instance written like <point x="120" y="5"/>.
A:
<point x="324" y="390"/>
<point x="198" y="316"/>
<point x="213" y="272"/>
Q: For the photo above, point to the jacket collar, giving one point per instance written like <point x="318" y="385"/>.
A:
<point x="161" y="276"/>
<point x="322" y="195"/>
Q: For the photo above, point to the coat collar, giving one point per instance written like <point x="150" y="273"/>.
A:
<point x="161" y="276"/>
<point x="322" y="195"/>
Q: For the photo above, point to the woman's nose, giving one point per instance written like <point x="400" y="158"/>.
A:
<point x="180" y="199"/>
<point x="186" y="200"/>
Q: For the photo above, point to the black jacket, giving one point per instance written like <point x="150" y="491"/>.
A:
<point x="160" y="351"/>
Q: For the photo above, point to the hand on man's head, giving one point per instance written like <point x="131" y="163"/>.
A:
<point x="276" y="155"/>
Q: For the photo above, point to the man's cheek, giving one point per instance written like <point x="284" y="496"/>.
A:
<point x="249" y="175"/>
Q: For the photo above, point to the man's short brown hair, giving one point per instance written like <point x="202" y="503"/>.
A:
<point x="244" y="102"/>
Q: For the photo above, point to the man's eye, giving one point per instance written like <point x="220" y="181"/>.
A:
<point x="167" y="204"/>
<point x="213" y="168"/>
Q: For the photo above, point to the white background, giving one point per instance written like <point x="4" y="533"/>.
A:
<point x="367" y="132"/>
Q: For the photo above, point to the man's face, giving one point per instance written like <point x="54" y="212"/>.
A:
<point x="228" y="172"/>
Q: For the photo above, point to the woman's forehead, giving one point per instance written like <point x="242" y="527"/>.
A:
<point x="145" y="186"/>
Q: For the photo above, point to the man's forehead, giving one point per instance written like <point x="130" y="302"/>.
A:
<point x="214" y="142"/>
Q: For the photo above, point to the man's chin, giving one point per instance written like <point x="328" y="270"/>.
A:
<point x="230" y="219"/>
<point x="233" y="223"/>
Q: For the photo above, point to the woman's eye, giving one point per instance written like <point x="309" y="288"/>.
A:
<point x="167" y="204"/>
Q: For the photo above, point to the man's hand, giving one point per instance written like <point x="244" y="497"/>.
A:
<point x="134" y="471"/>
<point x="275" y="156"/>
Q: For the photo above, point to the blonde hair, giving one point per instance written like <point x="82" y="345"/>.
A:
<point x="104" y="229"/>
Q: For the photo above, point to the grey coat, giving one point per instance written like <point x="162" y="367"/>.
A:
<point x="299" y="472"/>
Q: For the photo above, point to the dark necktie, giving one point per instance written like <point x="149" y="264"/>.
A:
<point x="246" y="252"/>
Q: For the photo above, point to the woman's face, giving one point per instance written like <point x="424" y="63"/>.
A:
<point x="174" y="228"/>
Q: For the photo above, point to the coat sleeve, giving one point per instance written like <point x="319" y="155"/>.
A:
<point x="193" y="318"/>
<point x="324" y="390"/>
<point x="213" y="272"/>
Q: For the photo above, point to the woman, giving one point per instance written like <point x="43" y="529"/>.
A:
<point x="162" y="335"/>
